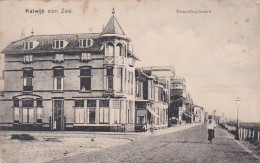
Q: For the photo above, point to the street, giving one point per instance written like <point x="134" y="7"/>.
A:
<point x="189" y="145"/>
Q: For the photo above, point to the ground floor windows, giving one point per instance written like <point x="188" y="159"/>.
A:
<point x="39" y="115"/>
<point x="16" y="115"/>
<point x="27" y="110"/>
<point x="79" y="115"/>
<point x="103" y="115"/>
<point x="104" y="111"/>
<point x="92" y="115"/>
<point x="116" y="118"/>
<point x="28" y="115"/>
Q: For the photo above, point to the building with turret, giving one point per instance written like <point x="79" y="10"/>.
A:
<point x="70" y="82"/>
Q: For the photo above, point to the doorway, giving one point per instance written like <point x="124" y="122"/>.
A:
<point x="58" y="115"/>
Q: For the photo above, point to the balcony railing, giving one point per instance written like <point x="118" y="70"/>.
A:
<point x="28" y="88"/>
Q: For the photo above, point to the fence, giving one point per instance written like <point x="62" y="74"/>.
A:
<point x="245" y="133"/>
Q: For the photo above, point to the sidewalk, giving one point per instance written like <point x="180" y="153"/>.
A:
<point x="170" y="130"/>
<point x="62" y="133"/>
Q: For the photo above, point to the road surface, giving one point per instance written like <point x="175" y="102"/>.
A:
<point x="189" y="145"/>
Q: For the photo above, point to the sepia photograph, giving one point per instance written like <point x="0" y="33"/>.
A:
<point x="133" y="81"/>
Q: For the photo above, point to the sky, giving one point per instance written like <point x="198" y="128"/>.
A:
<point x="218" y="52"/>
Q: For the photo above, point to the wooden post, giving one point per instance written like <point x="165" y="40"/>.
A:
<point x="244" y="133"/>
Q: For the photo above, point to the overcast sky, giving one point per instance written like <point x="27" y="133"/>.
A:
<point x="218" y="52"/>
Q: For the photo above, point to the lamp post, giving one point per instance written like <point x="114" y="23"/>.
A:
<point x="237" y="128"/>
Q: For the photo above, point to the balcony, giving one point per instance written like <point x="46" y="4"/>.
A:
<point x="28" y="88"/>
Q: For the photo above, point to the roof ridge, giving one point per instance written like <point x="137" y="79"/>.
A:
<point x="62" y="34"/>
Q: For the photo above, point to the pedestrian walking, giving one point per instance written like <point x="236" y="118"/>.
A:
<point x="211" y="125"/>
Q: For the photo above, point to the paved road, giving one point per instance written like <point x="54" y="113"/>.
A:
<point x="189" y="145"/>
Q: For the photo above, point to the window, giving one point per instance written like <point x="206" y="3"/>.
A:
<point x="103" y="111"/>
<point x="85" y="56"/>
<point x="58" y="75"/>
<point x="117" y="104"/>
<point x="119" y="50"/>
<point x="39" y="103"/>
<point x="27" y="79"/>
<point x="28" y="58"/>
<point x="28" y="111"/>
<point x="109" y="50"/>
<point x="92" y="110"/>
<point x="59" y="44"/>
<point x="125" y="81"/>
<point x="85" y="78"/>
<point x="79" y="103"/>
<point x="132" y="82"/>
<point x="85" y="42"/>
<point x="110" y="76"/>
<point x="119" y="79"/>
<point x="129" y="86"/>
<point x="27" y="103"/>
<point x="28" y="45"/>
<point x="39" y="115"/>
<point x="16" y="115"/>
<point x="16" y="103"/>
<point x="58" y="58"/>
<point x="79" y="111"/>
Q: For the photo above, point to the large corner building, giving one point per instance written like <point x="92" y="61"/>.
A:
<point x="70" y="82"/>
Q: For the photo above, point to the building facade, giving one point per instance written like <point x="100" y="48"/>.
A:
<point x="70" y="82"/>
<point x="151" y="101"/>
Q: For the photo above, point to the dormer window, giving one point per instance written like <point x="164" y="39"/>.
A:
<point x="58" y="58"/>
<point x="85" y="42"/>
<point x="59" y="44"/>
<point x="84" y="56"/>
<point x="27" y="45"/>
<point x="28" y="58"/>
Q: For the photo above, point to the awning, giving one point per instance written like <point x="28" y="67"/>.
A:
<point x="151" y="111"/>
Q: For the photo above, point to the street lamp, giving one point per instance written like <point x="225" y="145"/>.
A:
<point x="237" y="129"/>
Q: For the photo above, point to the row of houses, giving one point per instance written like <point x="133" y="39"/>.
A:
<point x="88" y="82"/>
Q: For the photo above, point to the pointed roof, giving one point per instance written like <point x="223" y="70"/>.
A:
<point x="113" y="27"/>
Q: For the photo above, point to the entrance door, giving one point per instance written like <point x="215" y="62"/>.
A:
<point x="58" y="115"/>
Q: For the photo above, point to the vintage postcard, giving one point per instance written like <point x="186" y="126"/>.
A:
<point x="129" y="81"/>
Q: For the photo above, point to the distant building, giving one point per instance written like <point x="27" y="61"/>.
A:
<point x="199" y="114"/>
<point x="151" y="100"/>
<point x="70" y="82"/>
<point x="178" y="97"/>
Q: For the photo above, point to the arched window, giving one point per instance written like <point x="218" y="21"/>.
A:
<point x="110" y="49"/>
<point x="119" y="51"/>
